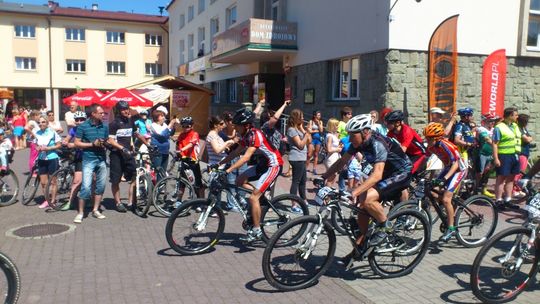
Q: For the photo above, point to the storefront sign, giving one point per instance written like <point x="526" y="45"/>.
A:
<point x="180" y="98"/>
<point x="198" y="64"/>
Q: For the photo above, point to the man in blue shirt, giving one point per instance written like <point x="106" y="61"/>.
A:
<point x="90" y="138"/>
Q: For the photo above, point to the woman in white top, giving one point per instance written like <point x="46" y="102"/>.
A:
<point x="54" y="124"/>
<point x="216" y="147"/>
<point x="31" y="127"/>
<point x="47" y="144"/>
<point x="333" y="145"/>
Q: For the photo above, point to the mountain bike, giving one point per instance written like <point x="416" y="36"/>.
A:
<point x="145" y="179"/>
<point x="300" y="263"/>
<point x="196" y="226"/>
<point x="30" y="185"/>
<point x="64" y="180"/>
<point x="9" y="185"/>
<point x="475" y="218"/>
<point x="10" y="282"/>
<point x="507" y="264"/>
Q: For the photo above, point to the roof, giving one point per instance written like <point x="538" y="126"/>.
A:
<point x="169" y="5"/>
<point x="172" y="82"/>
<point x="107" y="15"/>
<point x="24" y="8"/>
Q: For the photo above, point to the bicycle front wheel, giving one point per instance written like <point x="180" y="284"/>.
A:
<point x="193" y="228"/>
<point x="30" y="188"/>
<point x="143" y="194"/>
<point x="170" y="193"/>
<point x="475" y="221"/>
<point x="504" y="266"/>
<point x="64" y="180"/>
<point x="9" y="188"/>
<point x="10" y="285"/>
<point x="272" y="218"/>
<point x="299" y="264"/>
<point x="405" y="246"/>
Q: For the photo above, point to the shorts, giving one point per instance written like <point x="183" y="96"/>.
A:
<point x="47" y="166"/>
<point x="509" y="165"/>
<point x="391" y="187"/>
<point x="18" y="131"/>
<point x="264" y="178"/>
<point x="78" y="165"/>
<point x="453" y="183"/>
<point x="316" y="139"/>
<point x="354" y="170"/>
<point x="120" y="166"/>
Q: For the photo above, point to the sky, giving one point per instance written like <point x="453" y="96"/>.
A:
<point x="135" y="6"/>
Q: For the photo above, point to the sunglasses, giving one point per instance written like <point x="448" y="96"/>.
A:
<point x="80" y="119"/>
<point x="186" y="126"/>
<point x="43" y="122"/>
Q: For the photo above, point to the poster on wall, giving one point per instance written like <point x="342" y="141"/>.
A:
<point x="261" y="91"/>
<point x="494" y="83"/>
<point x="442" y="73"/>
<point x="180" y="99"/>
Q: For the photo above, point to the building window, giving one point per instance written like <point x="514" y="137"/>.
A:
<point x="75" y="66"/>
<point x="25" y="63"/>
<point x="156" y="40"/>
<point x="116" y="37"/>
<point x="190" y="47"/>
<point x="231" y="90"/>
<point x="153" y="69"/>
<point x="182" y="51"/>
<point x="75" y="34"/>
<point x="116" y="67"/>
<point x="182" y="21"/>
<point x="231" y="16"/>
<point x="345" y="78"/>
<point x="190" y="13"/>
<point x="25" y="31"/>
<point x="275" y="10"/>
<point x="202" y="38"/>
<point x="216" y="87"/>
<point x="201" y="6"/>
<point x="533" y="34"/>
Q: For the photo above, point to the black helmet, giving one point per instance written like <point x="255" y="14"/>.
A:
<point x="243" y="116"/>
<point x="122" y="105"/>
<point x="188" y="120"/>
<point x="396" y="115"/>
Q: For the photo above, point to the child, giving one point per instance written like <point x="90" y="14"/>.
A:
<point x="6" y="147"/>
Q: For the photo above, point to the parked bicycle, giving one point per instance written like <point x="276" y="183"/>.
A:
<point x="507" y="264"/>
<point x="10" y="282"/>
<point x="64" y="179"/>
<point x="9" y="185"/>
<point x="197" y="225"/>
<point x="31" y="185"/>
<point x="299" y="264"/>
<point x="145" y="179"/>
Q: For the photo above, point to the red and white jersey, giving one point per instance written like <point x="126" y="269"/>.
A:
<point x="448" y="154"/>
<point x="255" y="138"/>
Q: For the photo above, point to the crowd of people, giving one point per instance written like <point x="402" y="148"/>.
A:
<point x="372" y="155"/>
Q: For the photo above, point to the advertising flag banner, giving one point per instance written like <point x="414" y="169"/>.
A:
<point x="494" y="83"/>
<point x="442" y="67"/>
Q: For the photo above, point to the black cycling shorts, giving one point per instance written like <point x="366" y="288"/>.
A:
<point x="121" y="166"/>
<point x="391" y="187"/>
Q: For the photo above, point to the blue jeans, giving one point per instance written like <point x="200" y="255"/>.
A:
<point x="160" y="161"/>
<point x="88" y="168"/>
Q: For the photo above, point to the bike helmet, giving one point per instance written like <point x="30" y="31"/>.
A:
<point x="396" y="115"/>
<point x="188" y="120"/>
<point x="490" y="117"/>
<point x="243" y="116"/>
<point x="79" y="114"/>
<point x="143" y="112"/>
<point x="434" y="130"/>
<point x="122" y="105"/>
<point x="359" y="123"/>
<point x="465" y="111"/>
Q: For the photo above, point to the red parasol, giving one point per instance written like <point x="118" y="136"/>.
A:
<point x="84" y="98"/>
<point x="133" y="99"/>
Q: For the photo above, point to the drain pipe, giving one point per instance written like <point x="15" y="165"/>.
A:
<point x="56" y="114"/>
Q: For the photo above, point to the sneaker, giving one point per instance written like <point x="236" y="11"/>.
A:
<point x="519" y="194"/>
<point x="377" y="237"/>
<point x="198" y="209"/>
<point x="177" y="204"/>
<point x="315" y="172"/>
<point x="65" y="207"/>
<point x="297" y="210"/>
<point x="98" y="215"/>
<point x="251" y="236"/>
<point x="448" y="235"/>
<point x="3" y="169"/>
<point x="43" y="205"/>
<point x="500" y="205"/>
<point x="121" y="208"/>
<point x="78" y="218"/>
<point x="487" y="193"/>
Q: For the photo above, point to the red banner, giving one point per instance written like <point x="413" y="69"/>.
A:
<point x="493" y="83"/>
<point x="442" y="73"/>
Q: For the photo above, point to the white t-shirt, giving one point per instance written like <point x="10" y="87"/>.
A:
<point x="70" y="120"/>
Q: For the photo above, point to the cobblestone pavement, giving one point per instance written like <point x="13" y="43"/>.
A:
<point x="126" y="259"/>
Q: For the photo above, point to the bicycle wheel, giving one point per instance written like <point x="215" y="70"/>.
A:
<point x="143" y="194"/>
<point x="504" y="266"/>
<point x="9" y="188"/>
<point x="301" y="263"/>
<point x="30" y="188"/>
<point x="405" y="245"/>
<point x="171" y="192"/>
<point x="273" y="218"/>
<point x="64" y="180"/>
<point x="192" y="229"/>
<point x="414" y="205"/>
<point x="475" y="221"/>
<point x="10" y="285"/>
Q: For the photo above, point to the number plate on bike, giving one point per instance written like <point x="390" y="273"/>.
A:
<point x="535" y="201"/>
<point x="321" y="194"/>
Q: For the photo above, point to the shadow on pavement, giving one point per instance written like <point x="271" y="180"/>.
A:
<point x="453" y="271"/>
<point x="170" y="252"/>
<point x="260" y="285"/>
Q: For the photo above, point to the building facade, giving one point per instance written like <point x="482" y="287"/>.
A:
<point x="364" y="54"/>
<point x="51" y="51"/>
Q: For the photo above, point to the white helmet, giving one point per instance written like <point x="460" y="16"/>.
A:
<point x="359" y="123"/>
<point x="79" y="114"/>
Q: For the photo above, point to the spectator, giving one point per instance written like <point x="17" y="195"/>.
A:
<point x="188" y="147"/>
<point x="18" y="122"/>
<point x="43" y="110"/>
<point x="31" y="127"/>
<point x="160" y="134"/>
<point x="333" y="145"/>
<point x="5" y="148"/>
<point x="80" y="117"/>
<point x="464" y="134"/>
<point x="485" y="157"/>
<point x="299" y="140"/>
<point x="381" y="127"/>
<point x="506" y="148"/>
<point x="68" y="117"/>
<point x="315" y="128"/>
<point x="54" y="124"/>
<point x="526" y="140"/>
<point x="47" y="142"/>
<point x="346" y="114"/>
<point x="90" y="137"/>
<point x="436" y="115"/>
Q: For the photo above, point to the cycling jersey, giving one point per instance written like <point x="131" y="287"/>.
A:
<point x="379" y="148"/>
<point x="465" y="130"/>
<point x="448" y="153"/>
<point x="121" y="130"/>
<point x="255" y="138"/>
<point x="190" y="137"/>
<point x="409" y="139"/>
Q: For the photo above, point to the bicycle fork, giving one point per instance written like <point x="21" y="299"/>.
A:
<point x="200" y="225"/>
<point x="306" y="248"/>
<point x="523" y="253"/>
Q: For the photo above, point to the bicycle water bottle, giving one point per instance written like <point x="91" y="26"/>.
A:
<point x="190" y="176"/>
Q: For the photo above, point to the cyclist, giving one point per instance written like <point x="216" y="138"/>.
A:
<point x="79" y="118"/>
<point x="390" y="175"/>
<point x="188" y="147"/>
<point x="455" y="170"/>
<point x="253" y="141"/>
<point x="464" y="137"/>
